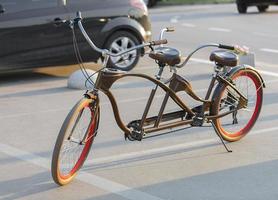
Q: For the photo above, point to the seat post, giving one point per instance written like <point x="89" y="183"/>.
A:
<point x="161" y="68"/>
<point x="218" y="67"/>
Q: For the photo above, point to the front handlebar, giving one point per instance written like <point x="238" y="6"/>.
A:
<point x="78" y="20"/>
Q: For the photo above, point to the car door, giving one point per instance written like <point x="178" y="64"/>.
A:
<point x="28" y="36"/>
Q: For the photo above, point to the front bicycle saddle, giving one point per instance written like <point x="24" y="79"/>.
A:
<point x="166" y="55"/>
<point x="224" y="58"/>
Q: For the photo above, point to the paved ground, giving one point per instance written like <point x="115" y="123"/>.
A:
<point x="187" y="164"/>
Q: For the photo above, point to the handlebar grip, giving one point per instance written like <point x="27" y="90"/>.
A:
<point x="170" y="29"/>
<point x="222" y="46"/>
<point x="159" y="42"/>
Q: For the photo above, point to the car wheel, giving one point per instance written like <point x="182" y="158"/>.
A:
<point x="241" y="7"/>
<point x="150" y="3"/>
<point x="262" y="8"/>
<point x="118" y="42"/>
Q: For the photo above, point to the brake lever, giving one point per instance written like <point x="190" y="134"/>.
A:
<point x="59" y="22"/>
<point x="170" y="29"/>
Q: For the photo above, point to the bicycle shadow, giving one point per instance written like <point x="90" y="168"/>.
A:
<point x="27" y="186"/>
<point x="253" y="181"/>
<point x="107" y="165"/>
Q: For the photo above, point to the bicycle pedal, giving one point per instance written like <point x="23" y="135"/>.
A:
<point x="198" y="121"/>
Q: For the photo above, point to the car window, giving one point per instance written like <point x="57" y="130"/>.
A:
<point x="98" y="8"/>
<point x="12" y="6"/>
<point x="30" y="10"/>
<point x="96" y="4"/>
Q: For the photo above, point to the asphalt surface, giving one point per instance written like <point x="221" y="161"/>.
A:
<point x="185" y="164"/>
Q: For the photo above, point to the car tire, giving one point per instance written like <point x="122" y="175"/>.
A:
<point x="150" y="3"/>
<point x="262" y="8"/>
<point x="241" y="7"/>
<point x="120" y="41"/>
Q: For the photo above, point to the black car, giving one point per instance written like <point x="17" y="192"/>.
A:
<point x="32" y="33"/>
<point x="262" y="5"/>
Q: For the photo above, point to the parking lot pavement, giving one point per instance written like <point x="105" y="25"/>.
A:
<point x="185" y="164"/>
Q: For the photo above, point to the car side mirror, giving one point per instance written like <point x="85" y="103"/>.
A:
<point x="2" y="9"/>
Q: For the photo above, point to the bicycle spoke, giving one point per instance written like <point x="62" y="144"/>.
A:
<point x="74" y="144"/>
<point x="241" y="118"/>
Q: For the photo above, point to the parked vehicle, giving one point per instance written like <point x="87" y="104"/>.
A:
<point x="32" y="34"/>
<point x="150" y="3"/>
<point x="262" y="5"/>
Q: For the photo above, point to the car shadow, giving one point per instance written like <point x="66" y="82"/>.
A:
<point x="56" y="90"/>
<point x="17" y="80"/>
<point x="22" y="77"/>
<point x="270" y="12"/>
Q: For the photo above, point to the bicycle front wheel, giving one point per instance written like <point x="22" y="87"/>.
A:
<point x="74" y="141"/>
<point x="236" y="125"/>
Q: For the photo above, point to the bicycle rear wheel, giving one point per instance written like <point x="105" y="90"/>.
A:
<point x="234" y="126"/>
<point x="74" y="141"/>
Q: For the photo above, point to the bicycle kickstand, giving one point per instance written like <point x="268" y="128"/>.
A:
<point x="218" y="134"/>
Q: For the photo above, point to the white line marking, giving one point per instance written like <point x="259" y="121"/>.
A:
<point x="33" y="113"/>
<point x="91" y="179"/>
<point x="265" y="35"/>
<point x="268" y="73"/>
<point x="189" y="25"/>
<point x="175" y="19"/>
<point x="203" y="61"/>
<point x="263" y="64"/>
<point x="114" y="187"/>
<point x="263" y="130"/>
<point x="269" y="50"/>
<point x="219" y="29"/>
<point x="25" y="156"/>
<point x="271" y="81"/>
<point x="166" y="149"/>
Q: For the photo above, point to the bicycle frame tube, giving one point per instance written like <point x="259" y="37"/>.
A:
<point x="107" y="78"/>
<point x="223" y="80"/>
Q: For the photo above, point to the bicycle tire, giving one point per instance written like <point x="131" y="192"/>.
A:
<point x="75" y="116"/>
<point x="237" y="129"/>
